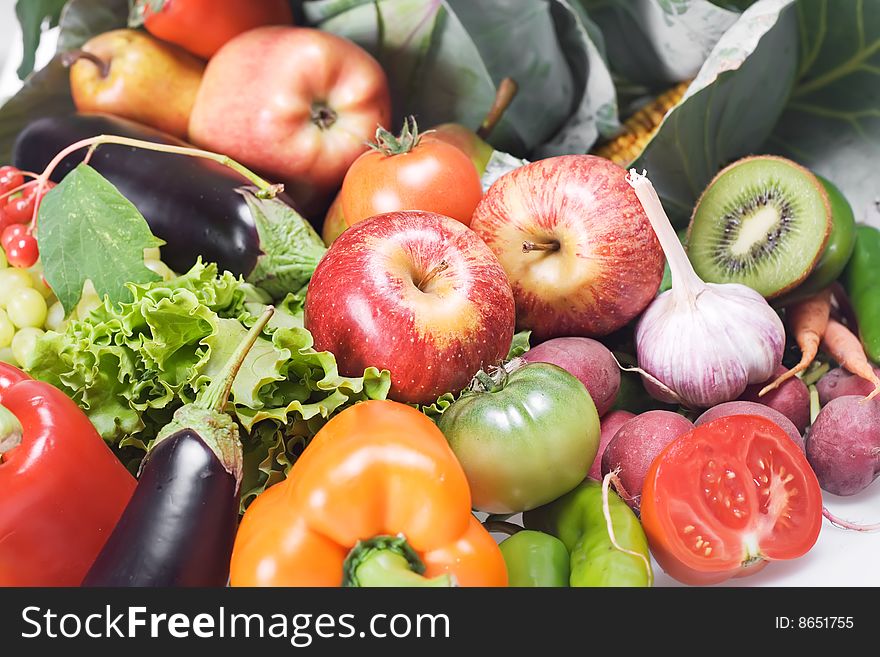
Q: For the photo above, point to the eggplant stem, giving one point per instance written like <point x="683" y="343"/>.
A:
<point x="266" y="189"/>
<point x="11" y="431"/>
<point x="507" y="90"/>
<point x="217" y="393"/>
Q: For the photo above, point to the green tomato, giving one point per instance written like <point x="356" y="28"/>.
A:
<point x="535" y="559"/>
<point x="578" y="520"/>
<point x="525" y="440"/>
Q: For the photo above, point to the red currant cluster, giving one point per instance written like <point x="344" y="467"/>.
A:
<point x="18" y="204"/>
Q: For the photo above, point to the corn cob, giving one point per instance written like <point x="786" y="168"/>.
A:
<point x="641" y="127"/>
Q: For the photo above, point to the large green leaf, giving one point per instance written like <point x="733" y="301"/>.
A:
<point x="47" y="92"/>
<point x="656" y="43"/>
<point x="444" y="59"/>
<point x="832" y="122"/>
<point x="731" y="107"/>
<point x="32" y="16"/>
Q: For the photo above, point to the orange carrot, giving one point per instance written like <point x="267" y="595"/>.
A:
<point x="807" y="320"/>
<point x="844" y="347"/>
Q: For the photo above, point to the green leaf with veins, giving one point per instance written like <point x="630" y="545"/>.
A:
<point x="87" y="230"/>
<point x="444" y="59"/>
<point x="730" y="108"/>
<point x="832" y="121"/>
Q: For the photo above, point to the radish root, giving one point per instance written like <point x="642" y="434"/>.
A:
<point x="846" y="524"/>
<point x="606" y="511"/>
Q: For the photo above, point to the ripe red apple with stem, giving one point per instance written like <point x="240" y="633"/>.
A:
<point x="416" y="293"/>
<point x="576" y="244"/>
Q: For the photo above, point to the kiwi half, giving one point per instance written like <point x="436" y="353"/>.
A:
<point x="763" y="221"/>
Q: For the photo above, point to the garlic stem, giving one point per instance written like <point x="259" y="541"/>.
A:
<point x="684" y="278"/>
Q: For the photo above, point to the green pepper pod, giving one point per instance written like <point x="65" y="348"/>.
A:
<point x="535" y="559"/>
<point x="862" y="280"/>
<point x="578" y="520"/>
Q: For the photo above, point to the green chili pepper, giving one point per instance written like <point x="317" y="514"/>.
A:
<point x="862" y="281"/>
<point x="579" y="520"/>
<point x="837" y="251"/>
<point x="534" y="559"/>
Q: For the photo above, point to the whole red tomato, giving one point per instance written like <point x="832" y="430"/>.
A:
<point x="202" y="26"/>
<point x="728" y="497"/>
<point x="411" y="172"/>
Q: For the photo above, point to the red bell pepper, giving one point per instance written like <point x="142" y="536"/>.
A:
<point x="63" y="490"/>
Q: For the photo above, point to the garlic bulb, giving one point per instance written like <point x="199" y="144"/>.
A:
<point x="704" y="341"/>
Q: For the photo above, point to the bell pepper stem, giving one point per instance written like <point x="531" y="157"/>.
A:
<point x="388" y="561"/>
<point x="10" y="431"/>
<point x="217" y="394"/>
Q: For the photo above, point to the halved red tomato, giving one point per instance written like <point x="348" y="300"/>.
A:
<point x="728" y="497"/>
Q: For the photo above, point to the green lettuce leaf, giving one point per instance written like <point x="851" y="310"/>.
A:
<point x="129" y="366"/>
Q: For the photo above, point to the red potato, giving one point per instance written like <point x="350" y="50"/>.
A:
<point x="791" y="398"/>
<point x="586" y="359"/>
<point x="844" y="445"/>
<point x="608" y="427"/>
<point x="751" y="408"/>
<point x="636" y="444"/>
<point x="840" y="383"/>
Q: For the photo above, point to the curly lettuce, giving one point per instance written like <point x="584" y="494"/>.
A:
<point x="129" y="366"/>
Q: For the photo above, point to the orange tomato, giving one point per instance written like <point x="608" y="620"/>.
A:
<point x="379" y="468"/>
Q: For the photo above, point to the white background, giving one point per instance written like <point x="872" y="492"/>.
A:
<point x="840" y="558"/>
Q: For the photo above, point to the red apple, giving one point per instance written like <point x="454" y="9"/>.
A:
<point x="576" y="244"/>
<point x="416" y="293"/>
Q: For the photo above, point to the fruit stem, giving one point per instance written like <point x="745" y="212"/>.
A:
<point x="431" y="275"/>
<point x="528" y="247"/>
<point x="388" y="561"/>
<point x="507" y="90"/>
<point x="217" y="394"/>
<point x="502" y="527"/>
<point x="10" y="431"/>
<point x="70" y="58"/>
<point x="389" y="145"/>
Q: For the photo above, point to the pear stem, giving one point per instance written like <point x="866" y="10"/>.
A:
<point x="507" y="90"/>
<point x="68" y="59"/>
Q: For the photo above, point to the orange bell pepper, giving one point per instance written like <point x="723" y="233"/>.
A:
<point x="376" y="499"/>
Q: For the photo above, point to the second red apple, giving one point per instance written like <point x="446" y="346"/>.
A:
<point x="577" y="246"/>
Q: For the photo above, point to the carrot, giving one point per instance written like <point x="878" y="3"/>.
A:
<point x="807" y="320"/>
<point x="842" y="345"/>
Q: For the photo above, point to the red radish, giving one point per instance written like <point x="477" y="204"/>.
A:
<point x="636" y="444"/>
<point x="609" y="425"/>
<point x="588" y="360"/>
<point x="844" y="445"/>
<point x="840" y="383"/>
<point x="844" y="347"/>
<point x="791" y="398"/>
<point x="752" y="408"/>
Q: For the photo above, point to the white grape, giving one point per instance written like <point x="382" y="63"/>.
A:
<point x="26" y="308"/>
